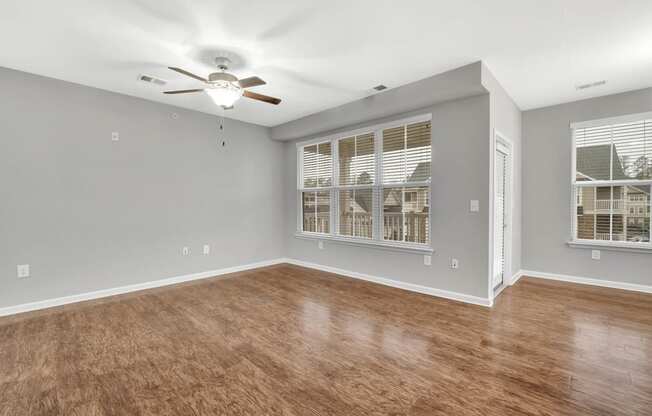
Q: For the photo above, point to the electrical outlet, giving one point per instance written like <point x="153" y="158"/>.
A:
<point x="22" y="271"/>
<point x="320" y="244"/>
<point x="115" y="136"/>
<point x="455" y="264"/>
<point x="185" y="251"/>
<point x="595" y="254"/>
<point x="427" y="260"/>
<point x="207" y="249"/>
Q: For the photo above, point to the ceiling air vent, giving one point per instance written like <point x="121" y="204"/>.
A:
<point x="151" y="79"/>
<point x="591" y="85"/>
<point x="380" y="87"/>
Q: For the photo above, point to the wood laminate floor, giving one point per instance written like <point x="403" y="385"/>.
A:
<point x="285" y="340"/>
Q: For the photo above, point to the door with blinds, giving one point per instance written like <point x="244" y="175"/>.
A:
<point x="501" y="210"/>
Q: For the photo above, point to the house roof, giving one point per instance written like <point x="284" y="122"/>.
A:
<point x="593" y="162"/>
<point x="420" y="173"/>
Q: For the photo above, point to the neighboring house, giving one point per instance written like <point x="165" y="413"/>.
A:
<point x="405" y="213"/>
<point x="619" y="213"/>
<point x="406" y="209"/>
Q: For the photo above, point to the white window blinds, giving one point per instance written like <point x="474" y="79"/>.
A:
<point x="612" y="180"/>
<point x="357" y="164"/>
<point x="372" y="185"/>
<point x="406" y="153"/>
<point x="317" y="165"/>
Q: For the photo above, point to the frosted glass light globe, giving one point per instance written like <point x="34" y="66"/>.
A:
<point x="224" y="93"/>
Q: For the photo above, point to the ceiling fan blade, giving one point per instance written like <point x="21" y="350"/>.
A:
<point x="261" y="97"/>
<point x="251" y="82"/>
<point x="181" y="91"/>
<point x="188" y="74"/>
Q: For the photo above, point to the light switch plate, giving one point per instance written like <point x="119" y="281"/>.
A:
<point x="474" y="205"/>
<point x="115" y="136"/>
<point x="185" y="251"/>
<point x="320" y="244"/>
<point x="207" y="249"/>
<point x="427" y="260"/>
<point x="595" y="254"/>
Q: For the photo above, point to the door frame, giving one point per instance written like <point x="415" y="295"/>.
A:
<point x="500" y="139"/>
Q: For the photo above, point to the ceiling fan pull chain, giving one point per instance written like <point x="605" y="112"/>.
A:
<point x="220" y="138"/>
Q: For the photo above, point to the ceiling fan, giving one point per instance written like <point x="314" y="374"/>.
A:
<point x="224" y="88"/>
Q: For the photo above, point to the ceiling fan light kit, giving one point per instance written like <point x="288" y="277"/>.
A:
<point x="224" y="93"/>
<point x="224" y="88"/>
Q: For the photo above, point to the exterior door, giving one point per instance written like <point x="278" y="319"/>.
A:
<point x="501" y="210"/>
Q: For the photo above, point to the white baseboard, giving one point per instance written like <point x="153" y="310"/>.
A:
<point x="516" y="277"/>
<point x="49" y="303"/>
<point x="585" y="281"/>
<point x="461" y="297"/>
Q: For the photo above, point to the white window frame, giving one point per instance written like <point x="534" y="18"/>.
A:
<point x="583" y="243"/>
<point x="377" y="190"/>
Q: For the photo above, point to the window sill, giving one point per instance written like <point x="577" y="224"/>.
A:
<point x="404" y="247"/>
<point x="615" y="246"/>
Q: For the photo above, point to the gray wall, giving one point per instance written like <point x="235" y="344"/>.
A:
<point x="87" y="213"/>
<point x="460" y="167"/>
<point x="547" y="192"/>
<point x="506" y="118"/>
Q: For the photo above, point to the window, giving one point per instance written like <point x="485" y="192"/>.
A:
<point x="370" y="186"/>
<point x="317" y="178"/>
<point x="613" y="180"/>
<point x="357" y="168"/>
<point x="406" y="175"/>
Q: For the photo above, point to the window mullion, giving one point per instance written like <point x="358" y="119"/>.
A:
<point x="335" y="193"/>
<point x="611" y="215"/>
<point x="595" y="213"/>
<point x="403" y="223"/>
<point x="648" y="211"/>
<point x="405" y="153"/>
<point x="377" y="192"/>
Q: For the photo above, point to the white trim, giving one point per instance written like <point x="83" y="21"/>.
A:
<point x="629" y="118"/>
<point x="612" y="245"/>
<point x="587" y="281"/>
<point x="49" y="303"/>
<point x="461" y="297"/>
<point x="499" y="289"/>
<point x="517" y="276"/>
<point x="619" y="182"/>
<point x="500" y="140"/>
<point x="573" y="178"/>
<point x="358" y="241"/>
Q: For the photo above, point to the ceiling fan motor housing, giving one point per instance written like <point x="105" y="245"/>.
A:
<point x="222" y="76"/>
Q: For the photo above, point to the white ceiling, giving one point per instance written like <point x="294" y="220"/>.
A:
<point x="320" y="54"/>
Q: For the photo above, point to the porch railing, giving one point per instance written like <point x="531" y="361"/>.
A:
<point x="607" y="237"/>
<point x="413" y="227"/>
<point x="605" y="204"/>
